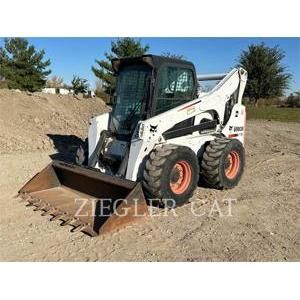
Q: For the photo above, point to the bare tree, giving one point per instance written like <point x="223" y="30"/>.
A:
<point x="172" y="55"/>
<point x="55" y="82"/>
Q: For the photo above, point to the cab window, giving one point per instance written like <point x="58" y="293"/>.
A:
<point x="175" y="87"/>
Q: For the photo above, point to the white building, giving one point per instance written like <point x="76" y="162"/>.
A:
<point x="61" y="91"/>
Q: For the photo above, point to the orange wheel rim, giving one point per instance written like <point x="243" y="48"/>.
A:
<point x="182" y="174"/>
<point x="233" y="162"/>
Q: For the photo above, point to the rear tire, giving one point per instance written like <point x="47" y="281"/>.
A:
<point x="171" y="172"/>
<point x="223" y="163"/>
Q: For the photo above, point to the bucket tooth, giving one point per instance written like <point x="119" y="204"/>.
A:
<point x="36" y="204"/>
<point x="67" y="221"/>
<point x="24" y="197"/>
<point x="56" y="216"/>
<point x="77" y="225"/>
<point x="48" y="211"/>
<point x="89" y="231"/>
<point x="77" y="228"/>
<point x="41" y="207"/>
<point x="76" y="222"/>
<point x="33" y="202"/>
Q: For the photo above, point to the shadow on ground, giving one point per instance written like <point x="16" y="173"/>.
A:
<point x="66" y="146"/>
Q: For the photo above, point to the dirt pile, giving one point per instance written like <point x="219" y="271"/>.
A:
<point x="39" y="121"/>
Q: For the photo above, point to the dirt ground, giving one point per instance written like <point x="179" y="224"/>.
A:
<point x="261" y="224"/>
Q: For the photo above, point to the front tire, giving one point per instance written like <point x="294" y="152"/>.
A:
<point x="171" y="175"/>
<point x="223" y="163"/>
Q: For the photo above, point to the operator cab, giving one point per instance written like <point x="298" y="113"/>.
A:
<point x="147" y="86"/>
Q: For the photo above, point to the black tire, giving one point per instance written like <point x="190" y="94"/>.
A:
<point x="217" y="166"/>
<point x="163" y="169"/>
<point x="81" y="156"/>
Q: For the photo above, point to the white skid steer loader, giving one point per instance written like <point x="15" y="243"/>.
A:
<point x="161" y="135"/>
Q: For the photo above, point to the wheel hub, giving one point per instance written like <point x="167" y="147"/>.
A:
<point x="180" y="178"/>
<point x="232" y="164"/>
<point x="175" y="174"/>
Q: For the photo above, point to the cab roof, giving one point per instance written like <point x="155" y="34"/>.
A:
<point x="154" y="61"/>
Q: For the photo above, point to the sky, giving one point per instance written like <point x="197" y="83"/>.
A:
<point x="71" y="56"/>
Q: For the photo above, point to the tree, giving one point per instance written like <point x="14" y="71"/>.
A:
<point x="55" y="82"/>
<point x="22" y="65"/>
<point x="79" y="85"/>
<point x="121" y="48"/>
<point x="267" y="77"/>
<point x="172" y="55"/>
<point x="99" y="91"/>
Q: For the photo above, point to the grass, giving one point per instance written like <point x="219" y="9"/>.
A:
<point x="283" y="114"/>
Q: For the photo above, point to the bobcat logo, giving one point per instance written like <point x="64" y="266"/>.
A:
<point x="153" y="128"/>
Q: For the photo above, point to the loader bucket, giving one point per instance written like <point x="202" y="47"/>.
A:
<point x="88" y="200"/>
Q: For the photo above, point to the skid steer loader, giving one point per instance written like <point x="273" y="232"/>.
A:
<point x="162" y="134"/>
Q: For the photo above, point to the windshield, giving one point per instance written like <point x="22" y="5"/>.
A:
<point x="131" y="96"/>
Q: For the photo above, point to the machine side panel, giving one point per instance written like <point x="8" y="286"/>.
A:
<point x="97" y="124"/>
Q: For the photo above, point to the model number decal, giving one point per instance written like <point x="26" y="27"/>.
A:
<point x="238" y="128"/>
